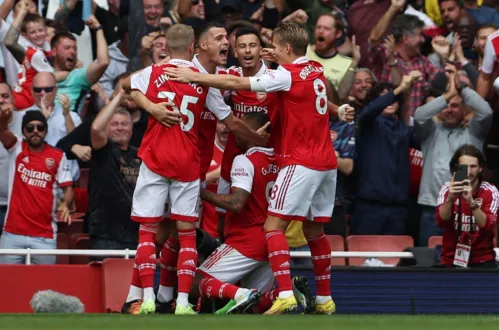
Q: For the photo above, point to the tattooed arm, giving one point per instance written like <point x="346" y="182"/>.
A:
<point x="12" y="37"/>
<point x="234" y="202"/>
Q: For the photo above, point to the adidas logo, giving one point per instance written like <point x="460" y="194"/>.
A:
<point x="189" y="263"/>
<point x="152" y="256"/>
<point x="285" y="264"/>
<point x="25" y="159"/>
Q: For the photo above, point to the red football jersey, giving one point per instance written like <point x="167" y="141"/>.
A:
<point x="491" y="53"/>
<point x="255" y="172"/>
<point x="209" y="221"/>
<point x="244" y="102"/>
<point x="35" y="60"/>
<point x="173" y="152"/>
<point x="33" y="180"/>
<point x="306" y="139"/>
<point x="416" y="171"/>
<point x="480" y="240"/>
<point x="208" y="128"/>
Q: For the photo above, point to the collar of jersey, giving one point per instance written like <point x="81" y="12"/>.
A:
<point x="268" y="151"/>
<point x="179" y="62"/>
<point x="199" y="66"/>
<point x="300" y="60"/>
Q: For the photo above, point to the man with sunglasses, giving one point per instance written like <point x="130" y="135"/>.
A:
<point x="36" y="169"/>
<point x="60" y="118"/>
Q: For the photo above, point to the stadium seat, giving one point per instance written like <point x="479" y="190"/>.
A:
<point x="63" y="244"/>
<point x="379" y="243"/>
<point x="337" y="243"/>
<point x="80" y="241"/>
<point x="117" y="275"/>
<point x="434" y="241"/>
<point x="81" y="200"/>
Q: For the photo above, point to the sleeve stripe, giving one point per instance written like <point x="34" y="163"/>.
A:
<point x="494" y="204"/>
<point x="66" y="184"/>
<point x="443" y="192"/>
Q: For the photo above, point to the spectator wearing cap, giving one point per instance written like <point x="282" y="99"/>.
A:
<point x="405" y="55"/>
<point x="36" y="169"/>
<point x="118" y="59"/>
<point x="328" y="31"/>
<point x="440" y="139"/>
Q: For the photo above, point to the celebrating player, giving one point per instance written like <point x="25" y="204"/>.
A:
<point x="248" y="48"/>
<point x="243" y="256"/>
<point x="171" y="174"/>
<point x="306" y="182"/>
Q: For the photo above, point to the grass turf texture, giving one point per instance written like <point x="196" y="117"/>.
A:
<point x="249" y="322"/>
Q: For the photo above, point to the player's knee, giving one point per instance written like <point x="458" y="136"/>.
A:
<point x="312" y="229"/>
<point x="274" y="223"/>
<point x="164" y="231"/>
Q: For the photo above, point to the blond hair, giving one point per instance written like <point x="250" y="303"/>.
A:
<point x="179" y="37"/>
<point x="292" y="34"/>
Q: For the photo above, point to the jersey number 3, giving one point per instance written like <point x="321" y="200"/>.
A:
<point x="186" y="101"/>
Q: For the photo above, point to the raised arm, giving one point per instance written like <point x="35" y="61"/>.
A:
<point x="7" y="138"/>
<point x="64" y="10"/>
<point x="485" y="77"/>
<point x="98" y="136"/>
<point x="97" y="68"/>
<point x="12" y="37"/>
<point x="380" y="28"/>
<point x="5" y="8"/>
<point x="482" y="118"/>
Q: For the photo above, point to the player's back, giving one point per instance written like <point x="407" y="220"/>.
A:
<point x="305" y="118"/>
<point x="244" y="230"/>
<point x="172" y="152"/>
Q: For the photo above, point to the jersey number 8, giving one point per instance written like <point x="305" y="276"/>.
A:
<point x="186" y="100"/>
<point x="320" y="91"/>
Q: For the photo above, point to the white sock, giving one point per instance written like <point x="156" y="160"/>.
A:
<point x="285" y="294"/>
<point x="149" y="294"/>
<point x="322" y="299"/>
<point x="240" y="292"/>
<point x="165" y="293"/>
<point x="134" y="293"/>
<point x="183" y="299"/>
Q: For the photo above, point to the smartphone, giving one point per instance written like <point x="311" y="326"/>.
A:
<point x="461" y="173"/>
<point x="87" y="10"/>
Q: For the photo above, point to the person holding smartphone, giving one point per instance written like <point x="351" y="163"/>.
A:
<point x="467" y="212"/>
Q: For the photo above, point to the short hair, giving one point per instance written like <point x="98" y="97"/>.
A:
<point x="8" y="86"/>
<point x="486" y="26"/>
<point x="207" y="27"/>
<point x="294" y="35"/>
<point x="120" y="76"/>
<point x="338" y="21"/>
<point x="123" y="111"/>
<point x="373" y="76"/>
<point x="59" y="36"/>
<point x="58" y="26"/>
<point x="260" y="118"/>
<point x="31" y="18"/>
<point x="243" y="31"/>
<point x="459" y="2"/>
<point x="179" y="37"/>
<point x="467" y="150"/>
<point x="405" y="25"/>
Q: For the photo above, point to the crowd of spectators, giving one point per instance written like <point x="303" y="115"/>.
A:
<point x="392" y="162"/>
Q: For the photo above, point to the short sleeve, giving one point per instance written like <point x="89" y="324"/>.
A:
<point x="489" y="57"/>
<point x="140" y="80"/>
<point x="64" y="177"/>
<point x="216" y="104"/>
<point x="15" y="147"/>
<point x="40" y="63"/>
<point x="242" y="173"/>
<point x="272" y="81"/>
<point x="81" y="78"/>
<point x="76" y="118"/>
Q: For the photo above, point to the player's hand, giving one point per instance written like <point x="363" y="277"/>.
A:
<point x="84" y="153"/>
<point x="163" y="114"/>
<point x="92" y="22"/>
<point x="65" y="213"/>
<point x="346" y="113"/>
<point x="268" y="54"/>
<point x="264" y="134"/>
<point x="5" y="112"/>
<point x="65" y="104"/>
<point x="181" y="74"/>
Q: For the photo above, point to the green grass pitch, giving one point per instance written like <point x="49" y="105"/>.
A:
<point x="247" y="322"/>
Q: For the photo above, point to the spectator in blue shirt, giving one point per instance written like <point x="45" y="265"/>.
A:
<point x="342" y="136"/>
<point x="383" y="161"/>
